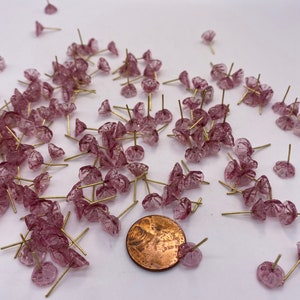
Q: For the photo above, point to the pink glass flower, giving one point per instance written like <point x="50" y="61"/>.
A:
<point x="103" y="65"/>
<point x="189" y="255"/>
<point x="269" y="276"/>
<point x="50" y="9"/>
<point x="208" y="36"/>
<point x="129" y="91"/>
<point x="111" y="225"/>
<point x="152" y="202"/>
<point x="39" y="28"/>
<point x="284" y="169"/>
<point x="45" y="274"/>
<point x="182" y="209"/>
<point x="2" y="64"/>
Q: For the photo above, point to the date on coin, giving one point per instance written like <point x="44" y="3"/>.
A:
<point x="152" y="242"/>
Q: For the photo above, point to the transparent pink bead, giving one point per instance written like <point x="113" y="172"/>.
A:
<point x="258" y="210"/>
<point x="8" y="172"/>
<point x="76" y="260"/>
<point x="33" y="92"/>
<point x="95" y="212"/>
<point x="218" y="111"/>
<point x="188" y="256"/>
<point x="4" y="205"/>
<point x="232" y="170"/>
<point x="176" y="173"/>
<point x="225" y="83"/>
<point x="41" y="183"/>
<point x="238" y="77"/>
<point x="193" y="179"/>
<point x="35" y="160"/>
<point x="16" y="192"/>
<point x="55" y="152"/>
<point x="26" y="256"/>
<point x="29" y="196"/>
<point x="139" y="110"/>
<point x="269" y="276"/>
<point x="150" y="136"/>
<point x="199" y="83"/>
<point x="147" y="122"/>
<point x="218" y="71"/>
<point x="88" y="143"/>
<point x="137" y="168"/>
<point x="219" y="131"/>
<point x="208" y="35"/>
<point x="60" y="256"/>
<point x="250" y="196"/>
<point x="42" y="207"/>
<point x="103" y="65"/>
<point x="247" y="162"/>
<point x="105" y="191"/>
<point x="207" y="95"/>
<point x="163" y="116"/>
<point x="243" y="147"/>
<point x="147" y="55"/>
<point x="279" y="108"/>
<point x="119" y="182"/>
<point x="273" y="208"/>
<point x="66" y="109"/>
<point x="152" y="202"/>
<point x="202" y="115"/>
<point x="32" y="74"/>
<point x="149" y="85"/>
<point x="292" y="109"/>
<point x="104" y="108"/>
<point x="245" y="177"/>
<point x="93" y="46"/>
<point x="129" y="91"/>
<point x="191" y="102"/>
<point x="44" y="134"/>
<point x="75" y="193"/>
<point x="2" y="64"/>
<point x="284" y="169"/>
<point x="135" y="153"/>
<point x="50" y="9"/>
<point x="182" y="136"/>
<point x="133" y="125"/>
<point x="130" y="68"/>
<point x="266" y="94"/>
<point x="286" y="123"/>
<point x="120" y="160"/>
<point x="184" y="79"/>
<point x="199" y="139"/>
<point x="211" y="147"/>
<point x="288" y="214"/>
<point x="112" y="48"/>
<point x="182" y="209"/>
<point x="252" y="82"/>
<point x="263" y="185"/>
<point x="45" y="275"/>
<point x="89" y="174"/>
<point x="39" y="28"/>
<point x="111" y="225"/>
<point x="170" y="194"/>
<point x="152" y="67"/>
<point x="193" y="154"/>
<point x="56" y="218"/>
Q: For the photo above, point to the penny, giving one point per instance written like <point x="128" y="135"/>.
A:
<point x="152" y="242"/>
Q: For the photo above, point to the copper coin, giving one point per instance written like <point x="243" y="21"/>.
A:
<point x="152" y="242"/>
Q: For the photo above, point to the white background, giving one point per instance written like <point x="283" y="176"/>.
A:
<point x="259" y="36"/>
